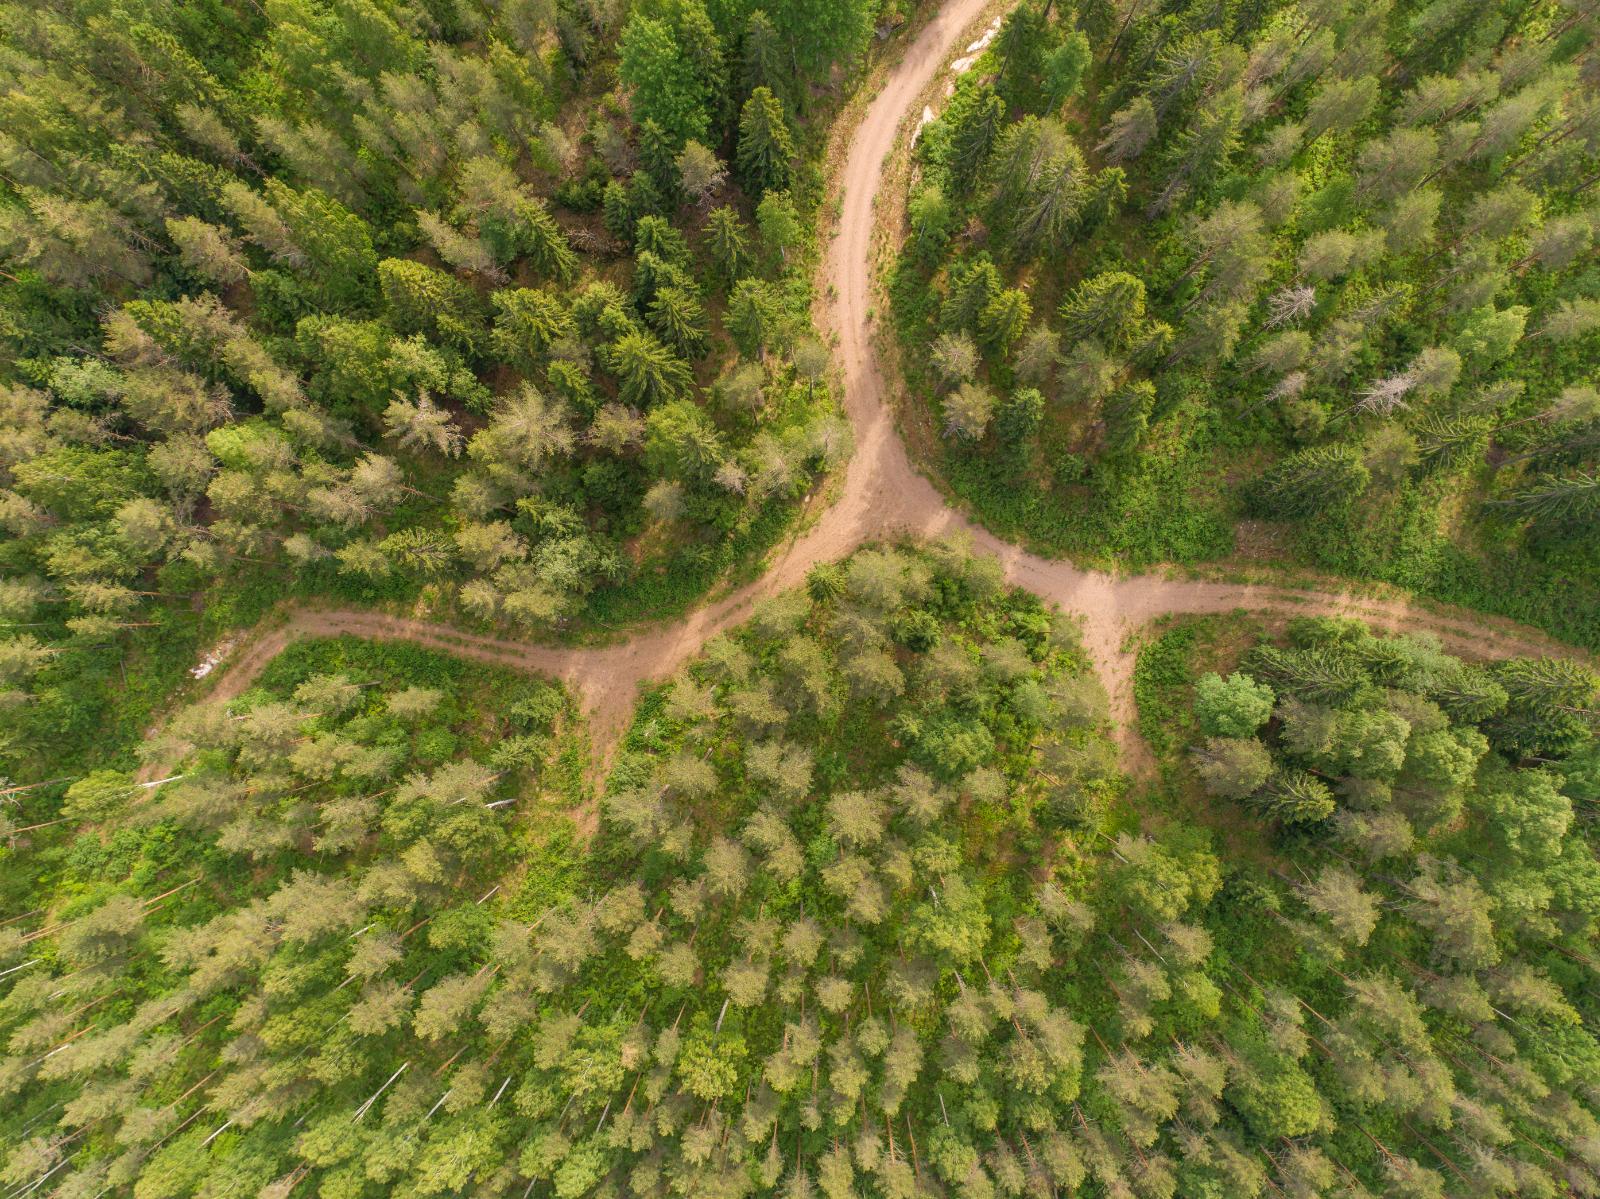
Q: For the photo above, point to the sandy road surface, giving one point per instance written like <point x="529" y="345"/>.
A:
<point x="882" y="495"/>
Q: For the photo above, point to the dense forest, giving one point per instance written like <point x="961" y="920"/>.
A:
<point x="869" y="914"/>
<point x="499" y="314"/>
<point x="500" y="308"/>
<point x="1312" y="282"/>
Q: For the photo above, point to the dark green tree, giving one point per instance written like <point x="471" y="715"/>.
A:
<point x="682" y="443"/>
<point x="1020" y="414"/>
<point x="765" y="62"/>
<point x="1308" y="483"/>
<point x="680" y="319"/>
<point x="1294" y="797"/>
<point x="1126" y="416"/>
<point x="977" y="128"/>
<point x="1551" y="706"/>
<point x="728" y="243"/>
<point x="1108" y="306"/>
<point x="765" y="146"/>
<point x="647" y="372"/>
<point x="1038" y="184"/>
<point x="1558" y="502"/>
<point x="419" y="299"/>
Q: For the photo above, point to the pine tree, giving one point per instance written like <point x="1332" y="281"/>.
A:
<point x="754" y="317"/>
<point x="954" y="358"/>
<point x="421" y="425"/>
<point x="819" y="34"/>
<point x="681" y="442"/>
<point x="763" y="58"/>
<point x="1020" y="45"/>
<point x="1571" y="320"/>
<point x="527" y="323"/>
<point x="419" y="299"/>
<point x="647" y="372"/>
<point x="765" y="146"/>
<point x="1039" y="185"/>
<point x="700" y="172"/>
<point x="1446" y="444"/>
<point x="1294" y="797"/>
<point x="1551" y="705"/>
<point x="1004" y="318"/>
<point x="1020" y="415"/>
<point x="779" y="224"/>
<point x="727" y="243"/>
<point x="1314" y="675"/>
<point x="1129" y="131"/>
<point x="1203" y="149"/>
<point x="1340" y="105"/>
<point x="208" y="251"/>
<point x="967" y="411"/>
<point x="1233" y="767"/>
<point x="512" y="223"/>
<point x="1109" y="306"/>
<point x="459" y="250"/>
<point x="680" y="319"/>
<point x="930" y="215"/>
<point x="1126" y="416"/>
<point x="1556" y="501"/>
<point x="1310" y="482"/>
<point x="979" y="124"/>
<point x="525" y="431"/>
<point x="659" y="156"/>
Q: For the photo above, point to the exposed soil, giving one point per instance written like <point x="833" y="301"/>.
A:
<point x="883" y="495"/>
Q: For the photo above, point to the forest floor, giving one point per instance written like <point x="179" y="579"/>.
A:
<point x="883" y="496"/>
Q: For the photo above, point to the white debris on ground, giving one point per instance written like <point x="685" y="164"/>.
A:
<point x="960" y="67"/>
<point x="212" y="660"/>
<point x="964" y="64"/>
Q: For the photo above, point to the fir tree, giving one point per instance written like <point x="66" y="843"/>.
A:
<point x="765" y="146"/>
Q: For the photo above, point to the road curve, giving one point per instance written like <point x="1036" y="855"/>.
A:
<point x="882" y="495"/>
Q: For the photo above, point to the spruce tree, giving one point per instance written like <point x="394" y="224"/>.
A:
<point x="1294" y="797"/>
<point x="1310" y="482"/>
<point x="728" y="244"/>
<point x="765" y="146"/>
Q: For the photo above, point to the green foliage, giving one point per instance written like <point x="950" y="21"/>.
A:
<point x="1311" y="483"/>
<point x="301" y="839"/>
<point x="664" y="81"/>
<point x="813" y="34"/>
<point x="1402" y="856"/>
<point x="766" y="148"/>
<point x="419" y="299"/>
<point x="1235" y="706"/>
<point x="1356" y="272"/>
<point x="351" y="817"/>
<point x="314" y="326"/>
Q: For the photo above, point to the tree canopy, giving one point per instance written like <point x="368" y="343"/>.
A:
<point x="1306" y="277"/>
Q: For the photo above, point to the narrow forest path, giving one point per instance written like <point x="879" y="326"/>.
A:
<point x="883" y="495"/>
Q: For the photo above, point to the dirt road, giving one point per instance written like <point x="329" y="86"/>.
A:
<point x="882" y="495"/>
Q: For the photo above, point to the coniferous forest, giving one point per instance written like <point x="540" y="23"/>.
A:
<point x="502" y="309"/>
<point x="447" y="750"/>
<point x="1327" y="268"/>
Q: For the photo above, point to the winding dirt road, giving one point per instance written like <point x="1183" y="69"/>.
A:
<point x="882" y="495"/>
